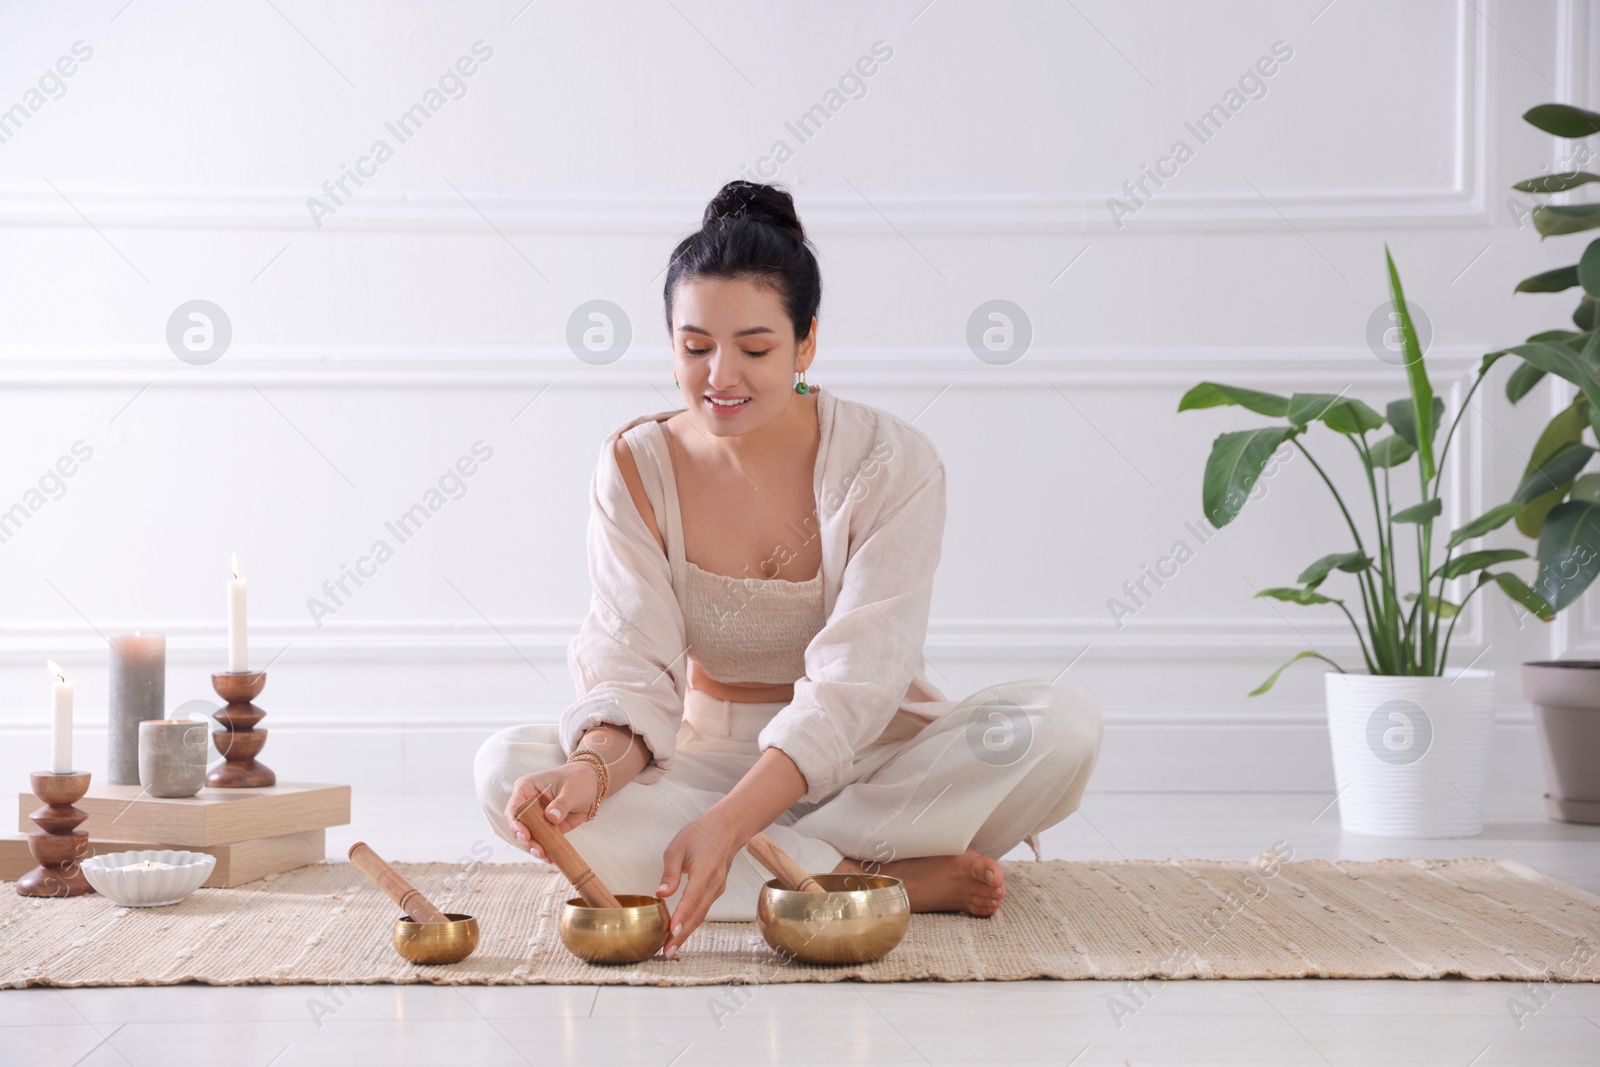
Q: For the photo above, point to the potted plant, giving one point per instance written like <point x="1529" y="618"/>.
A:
<point x="1565" y="519"/>
<point x="1410" y="743"/>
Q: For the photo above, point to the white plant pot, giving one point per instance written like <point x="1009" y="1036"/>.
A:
<point x="1411" y="754"/>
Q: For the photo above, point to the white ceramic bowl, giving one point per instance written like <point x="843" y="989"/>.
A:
<point x="114" y="876"/>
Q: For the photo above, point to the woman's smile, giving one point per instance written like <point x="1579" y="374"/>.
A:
<point x="725" y="404"/>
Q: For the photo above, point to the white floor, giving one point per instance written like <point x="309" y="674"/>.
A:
<point x="1456" y="1023"/>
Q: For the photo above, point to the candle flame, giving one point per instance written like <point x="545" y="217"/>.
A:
<point x="233" y="560"/>
<point x="55" y="669"/>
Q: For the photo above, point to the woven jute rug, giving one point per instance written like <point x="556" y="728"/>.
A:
<point x="1116" y="919"/>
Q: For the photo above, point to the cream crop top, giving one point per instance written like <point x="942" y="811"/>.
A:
<point x="738" y="629"/>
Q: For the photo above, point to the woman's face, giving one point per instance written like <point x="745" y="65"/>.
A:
<point x="732" y="342"/>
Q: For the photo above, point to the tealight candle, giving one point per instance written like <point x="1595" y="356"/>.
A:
<point x="237" y="640"/>
<point x="61" y="723"/>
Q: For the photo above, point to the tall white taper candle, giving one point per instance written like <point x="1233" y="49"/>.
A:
<point x="237" y="640"/>
<point x="61" y="723"/>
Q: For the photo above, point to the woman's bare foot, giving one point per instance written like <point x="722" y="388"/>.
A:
<point x="970" y="882"/>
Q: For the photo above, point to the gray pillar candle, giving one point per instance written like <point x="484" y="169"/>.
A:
<point x="138" y="692"/>
<point x="172" y="757"/>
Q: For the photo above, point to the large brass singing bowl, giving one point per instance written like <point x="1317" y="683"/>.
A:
<point x="449" y="942"/>
<point x="636" y="931"/>
<point x="861" y="918"/>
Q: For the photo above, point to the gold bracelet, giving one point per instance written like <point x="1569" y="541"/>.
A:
<point x="602" y="773"/>
<point x="598" y="762"/>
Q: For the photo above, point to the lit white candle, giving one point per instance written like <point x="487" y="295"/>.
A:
<point x="61" y="724"/>
<point x="236" y="624"/>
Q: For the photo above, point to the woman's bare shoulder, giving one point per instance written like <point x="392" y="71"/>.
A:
<point x="630" y="477"/>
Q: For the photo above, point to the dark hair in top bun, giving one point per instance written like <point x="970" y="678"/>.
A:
<point x="752" y="231"/>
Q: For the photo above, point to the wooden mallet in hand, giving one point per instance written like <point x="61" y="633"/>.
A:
<point x="560" y="852"/>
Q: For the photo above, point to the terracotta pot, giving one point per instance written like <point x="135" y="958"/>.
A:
<point x="1565" y="695"/>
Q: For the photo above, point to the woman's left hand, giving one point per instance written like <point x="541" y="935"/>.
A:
<point x="703" y="851"/>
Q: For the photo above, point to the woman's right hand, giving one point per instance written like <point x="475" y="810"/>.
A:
<point x="561" y="795"/>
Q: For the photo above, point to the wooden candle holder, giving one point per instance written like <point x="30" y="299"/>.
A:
<point x="239" y="741"/>
<point x="58" y="844"/>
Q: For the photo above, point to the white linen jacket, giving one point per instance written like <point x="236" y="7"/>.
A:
<point x="880" y="491"/>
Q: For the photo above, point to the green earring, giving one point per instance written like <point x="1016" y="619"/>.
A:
<point x="800" y="385"/>
<point x="675" y="381"/>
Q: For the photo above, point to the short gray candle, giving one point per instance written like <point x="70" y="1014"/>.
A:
<point x="138" y="693"/>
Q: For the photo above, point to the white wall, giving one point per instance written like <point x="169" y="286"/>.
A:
<point x="429" y="312"/>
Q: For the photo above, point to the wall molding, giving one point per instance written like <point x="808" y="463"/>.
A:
<point x="456" y="641"/>
<point x="1201" y="752"/>
<point x="529" y="367"/>
<point x="1461" y="202"/>
<point x="825" y="214"/>
<point x="497" y="366"/>
<point x="315" y="720"/>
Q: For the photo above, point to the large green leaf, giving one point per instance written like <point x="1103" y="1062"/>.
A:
<point x="1587" y="345"/>
<point x="1340" y="414"/>
<point x="1527" y="375"/>
<point x="1553" y="475"/>
<point x="1547" y="479"/>
<point x="1518" y="590"/>
<point x="1563" y="120"/>
<point x="1349" y="562"/>
<point x="1522" y="381"/>
<point x="1586" y="316"/>
<point x="1555" y="359"/>
<point x="1589" y="268"/>
<point x="1416" y="373"/>
<point x="1492" y="519"/>
<point x="1426" y="511"/>
<point x="1296" y="658"/>
<point x="1403" y="418"/>
<point x="1551" y="281"/>
<point x="1587" y="487"/>
<point x="1236" y="461"/>
<point x="1391" y="451"/>
<point x="1556" y="183"/>
<point x="1476" y="561"/>
<point x="1552" y="220"/>
<point x="1569" y="552"/>
<point x="1562" y="361"/>
<point x="1297" y="596"/>
<point x="1215" y="394"/>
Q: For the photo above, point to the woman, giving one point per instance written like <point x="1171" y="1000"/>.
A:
<point x="762" y="563"/>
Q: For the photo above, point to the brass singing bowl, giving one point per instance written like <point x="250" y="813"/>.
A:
<point x="860" y="918"/>
<point x="449" y="942"/>
<point x="636" y="931"/>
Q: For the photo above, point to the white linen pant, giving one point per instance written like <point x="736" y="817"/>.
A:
<point x="988" y="772"/>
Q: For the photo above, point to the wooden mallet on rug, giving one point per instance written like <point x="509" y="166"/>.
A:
<point x="386" y="878"/>
<point x="424" y="934"/>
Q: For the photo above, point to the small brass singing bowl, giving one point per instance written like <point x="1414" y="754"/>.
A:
<point x="449" y="942"/>
<point x="860" y="918"/>
<point x="636" y="931"/>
